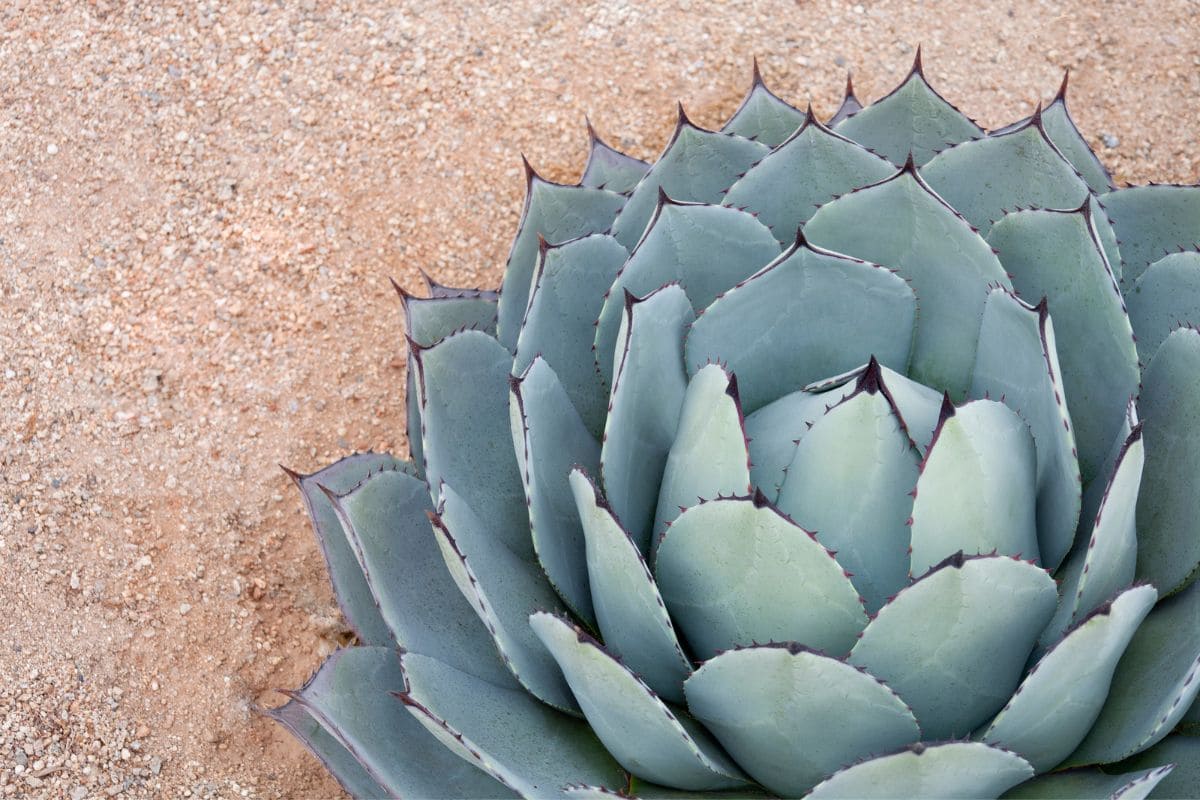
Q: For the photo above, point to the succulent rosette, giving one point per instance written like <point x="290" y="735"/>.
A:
<point x="839" y="459"/>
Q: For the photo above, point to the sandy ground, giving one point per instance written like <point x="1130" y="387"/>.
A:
<point x="201" y="204"/>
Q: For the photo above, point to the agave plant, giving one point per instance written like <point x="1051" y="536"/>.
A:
<point x="815" y="459"/>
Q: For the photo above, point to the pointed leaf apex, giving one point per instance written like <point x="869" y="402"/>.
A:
<point x="871" y="378"/>
<point x="543" y="245"/>
<point x="593" y="137"/>
<point x="756" y="78"/>
<point x="947" y="410"/>
<point x="1061" y="97"/>
<point x="1036" y="119"/>
<point x="330" y="493"/>
<point x="917" y="68"/>
<point x="664" y="199"/>
<point x="809" y="117"/>
<point x="801" y="239"/>
<point x="760" y="500"/>
<point x="530" y="173"/>
<point x="910" y="166"/>
<point x="291" y="473"/>
<point x="682" y="121"/>
<point x="732" y="390"/>
<point x="849" y="84"/>
<point x="405" y="295"/>
<point x="429" y="281"/>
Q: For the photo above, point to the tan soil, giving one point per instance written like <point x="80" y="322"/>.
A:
<point x="201" y="205"/>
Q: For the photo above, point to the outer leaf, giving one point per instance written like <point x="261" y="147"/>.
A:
<point x="647" y="395"/>
<point x="977" y="490"/>
<point x="339" y="761"/>
<point x="953" y="645"/>
<point x="550" y="438"/>
<point x="629" y="609"/>
<point x="1168" y="504"/>
<point x="850" y="104"/>
<point x="764" y="329"/>
<point x="985" y="178"/>
<point x="736" y="571"/>
<point x="1103" y="562"/>
<point x="568" y="292"/>
<point x="1093" y="491"/>
<point x="1061" y="697"/>
<point x="949" y="266"/>
<point x="944" y="771"/>
<point x="706" y="249"/>
<point x="774" y="430"/>
<point x="850" y="481"/>
<point x="790" y="716"/>
<point x="1062" y="131"/>
<point x="349" y="698"/>
<point x="811" y="168"/>
<point x="554" y="212"/>
<point x="462" y="383"/>
<point x="386" y="520"/>
<point x="709" y="457"/>
<point x="1182" y="782"/>
<point x="696" y="166"/>
<point x="1017" y="361"/>
<point x="1153" y="221"/>
<point x="1165" y="297"/>
<point x="1090" y="784"/>
<point x="643" y="735"/>
<point x="527" y="746"/>
<point x="441" y="290"/>
<point x="349" y="586"/>
<point x="912" y="119"/>
<point x="1155" y="683"/>
<point x="763" y="116"/>
<point x="504" y="589"/>
<point x="609" y="168"/>
<point x="1056" y="255"/>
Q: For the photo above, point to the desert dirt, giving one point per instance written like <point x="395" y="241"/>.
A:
<point x="200" y="206"/>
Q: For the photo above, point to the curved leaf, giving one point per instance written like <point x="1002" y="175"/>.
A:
<point x="568" y="293"/>
<point x="648" y="389"/>
<point x="554" y="212"/>
<point x="706" y="249"/>
<point x="1061" y="697"/>
<point x="1182" y="782"/>
<point x="526" y="745"/>
<point x="550" y="438"/>
<point x="812" y="167"/>
<point x="696" y="166"/>
<point x="504" y="589"/>
<point x="850" y="482"/>
<point x="1165" y="297"/>
<point x="1168" y="503"/>
<point x="1056" y="255"/>
<point x="340" y="762"/>
<point x="609" y="168"/>
<point x="850" y="104"/>
<point x="1017" y="362"/>
<point x="462" y="383"/>
<point x="790" y="716"/>
<point x="944" y="771"/>
<point x="736" y="571"/>
<point x="1153" y="221"/>
<point x="629" y="610"/>
<point x="953" y="645"/>
<point x="763" y="116"/>
<point x="977" y="490"/>
<point x="913" y="119"/>
<point x="765" y="329"/>
<point x="710" y="456"/>
<point x="348" y="697"/>
<point x="1066" y="137"/>
<point x="642" y="734"/>
<point x="349" y="586"/>
<point x="1091" y="784"/>
<point x="948" y="265"/>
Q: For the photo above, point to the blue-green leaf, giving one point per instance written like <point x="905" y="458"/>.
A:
<point x="641" y="732"/>
<point x="811" y="168"/>
<point x="977" y="491"/>
<point x="1153" y="221"/>
<point x="912" y="119"/>
<point x="766" y="329"/>
<point x="568" y="293"/>
<point x="1056" y="255"/>
<point x="550" y="438"/>
<point x="953" y="645"/>
<point x="735" y="571"/>
<point x="851" y="481"/>
<point x="1092" y="784"/>
<point x="697" y="166"/>
<point x="775" y="429"/>
<point x="340" y="762"/>
<point x="648" y="388"/>
<point x="949" y="266"/>
<point x="1017" y="361"/>
<point x="526" y="745"/>
<point x="944" y="771"/>
<point x="629" y="610"/>
<point x="850" y="104"/>
<point x="790" y="716"/>
<point x="763" y="116"/>
<point x="1183" y="752"/>
<point x="609" y="168"/>
<point x="1165" y="297"/>
<point x="554" y="212"/>
<point x="706" y="249"/>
